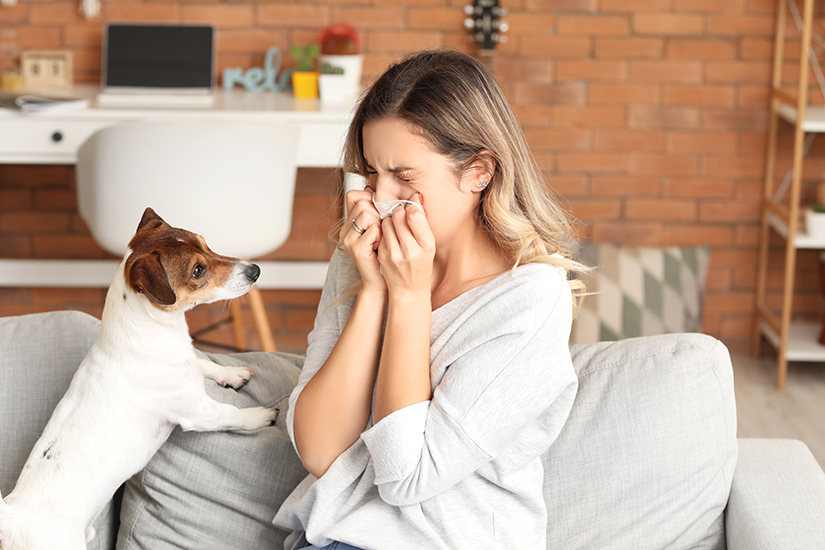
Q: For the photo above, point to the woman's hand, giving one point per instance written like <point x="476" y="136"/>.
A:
<point x="406" y="251"/>
<point x="362" y="246"/>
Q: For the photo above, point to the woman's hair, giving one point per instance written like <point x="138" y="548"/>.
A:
<point x="454" y="102"/>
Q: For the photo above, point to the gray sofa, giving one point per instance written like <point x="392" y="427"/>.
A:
<point x="648" y="459"/>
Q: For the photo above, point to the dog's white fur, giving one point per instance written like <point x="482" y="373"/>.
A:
<point x="139" y="380"/>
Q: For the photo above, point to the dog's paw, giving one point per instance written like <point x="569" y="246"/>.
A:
<point x="234" y="377"/>
<point x="261" y="417"/>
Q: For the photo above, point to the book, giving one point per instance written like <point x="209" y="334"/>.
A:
<point x="31" y="103"/>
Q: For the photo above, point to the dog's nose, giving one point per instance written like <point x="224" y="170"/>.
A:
<point x="253" y="272"/>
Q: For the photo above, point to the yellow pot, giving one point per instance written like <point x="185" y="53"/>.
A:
<point x="305" y="84"/>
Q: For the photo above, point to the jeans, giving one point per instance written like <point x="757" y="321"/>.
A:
<point x="333" y="546"/>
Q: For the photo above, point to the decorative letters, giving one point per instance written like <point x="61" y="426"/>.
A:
<point x="258" y="79"/>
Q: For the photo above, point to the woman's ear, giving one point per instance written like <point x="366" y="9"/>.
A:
<point x="481" y="171"/>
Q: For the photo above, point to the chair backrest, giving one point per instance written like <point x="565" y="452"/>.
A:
<point x="231" y="182"/>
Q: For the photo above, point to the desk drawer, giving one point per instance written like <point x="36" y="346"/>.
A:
<point x="55" y="141"/>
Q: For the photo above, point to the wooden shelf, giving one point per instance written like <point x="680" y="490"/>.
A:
<point x="801" y="240"/>
<point x="814" y="121"/>
<point x="803" y="342"/>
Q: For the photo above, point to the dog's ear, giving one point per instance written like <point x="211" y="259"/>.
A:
<point x="147" y="275"/>
<point x="150" y="220"/>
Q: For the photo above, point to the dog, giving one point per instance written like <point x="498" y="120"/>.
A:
<point x="139" y="380"/>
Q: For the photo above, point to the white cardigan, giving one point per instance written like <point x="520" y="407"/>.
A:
<point x="461" y="470"/>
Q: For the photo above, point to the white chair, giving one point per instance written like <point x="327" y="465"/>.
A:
<point x="231" y="182"/>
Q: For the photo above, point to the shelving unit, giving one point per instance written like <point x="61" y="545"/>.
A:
<point x="793" y="341"/>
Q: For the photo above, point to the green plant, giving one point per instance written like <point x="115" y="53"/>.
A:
<point x="305" y="56"/>
<point x="326" y="68"/>
<point x="340" y="39"/>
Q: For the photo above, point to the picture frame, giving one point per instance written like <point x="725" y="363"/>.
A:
<point x="46" y="69"/>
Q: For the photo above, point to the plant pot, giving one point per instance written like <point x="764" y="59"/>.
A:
<point x="352" y="65"/>
<point x="305" y="84"/>
<point x="815" y="224"/>
<point x="332" y="88"/>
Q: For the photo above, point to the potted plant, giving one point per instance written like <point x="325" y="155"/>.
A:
<point x="341" y="48"/>
<point x="305" y="77"/>
<point x="332" y="84"/>
<point x="815" y="215"/>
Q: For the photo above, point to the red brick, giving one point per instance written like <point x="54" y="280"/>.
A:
<point x="444" y="19"/>
<point x="634" y="5"/>
<point x="741" y="25"/>
<point x="591" y="209"/>
<point x="668" y="24"/>
<point x="699" y="95"/>
<point x="52" y="13"/>
<point x="623" y="139"/>
<point x="554" y="47"/>
<point x="402" y="41"/>
<point x="381" y="17"/>
<point x="591" y="117"/>
<point x="738" y="72"/>
<point x="642" y="70"/>
<point x="292" y="15"/>
<point x="580" y="5"/>
<point x="700" y="188"/>
<point x="660" y="209"/>
<point x="40" y="37"/>
<point x="708" y="6"/>
<point x="625" y="186"/>
<point x="624" y="94"/>
<point x="558" y="139"/>
<point x="693" y="235"/>
<point x="628" y="233"/>
<point x="16" y="222"/>
<point x="525" y="70"/>
<point x="663" y="117"/>
<point x="733" y="166"/>
<point x="743" y="119"/>
<point x="129" y="11"/>
<point x="594" y="25"/>
<point x="688" y="48"/>
<point x="222" y="16"/>
<point x="569" y="93"/>
<point x="592" y="162"/>
<point x="591" y="70"/>
<point x="629" y="47"/>
<point x="710" y="143"/>
<point x="653" y="164"/>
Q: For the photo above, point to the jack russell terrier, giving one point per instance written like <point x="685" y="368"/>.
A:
<point x="140" y="379"/>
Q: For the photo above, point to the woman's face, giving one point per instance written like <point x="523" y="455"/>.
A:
<point x="400" y="163"/>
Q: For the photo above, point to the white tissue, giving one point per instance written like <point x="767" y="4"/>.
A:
<point x="385" y="208"/>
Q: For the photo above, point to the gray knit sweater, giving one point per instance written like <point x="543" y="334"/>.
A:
<point x="461" y="471"/>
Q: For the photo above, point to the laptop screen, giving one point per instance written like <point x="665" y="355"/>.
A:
<point x="158" y="56"/>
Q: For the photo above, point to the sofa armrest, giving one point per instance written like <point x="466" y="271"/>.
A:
<point x="777" y="499"/>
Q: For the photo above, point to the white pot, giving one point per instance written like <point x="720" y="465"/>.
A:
<point x="333" y="88"/>
<point x="815" y="223"/>
<point x="352" y="70"/>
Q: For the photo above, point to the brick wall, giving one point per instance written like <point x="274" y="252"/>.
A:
<point x="649" y="116"/>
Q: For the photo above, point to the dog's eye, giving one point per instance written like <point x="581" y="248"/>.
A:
<point x="198" y="272"/>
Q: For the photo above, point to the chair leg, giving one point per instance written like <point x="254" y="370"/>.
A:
<point x="238" y="333"/>
<point x="256" y="304"/>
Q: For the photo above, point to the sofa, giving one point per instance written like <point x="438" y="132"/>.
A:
<point x="648" y="458"/>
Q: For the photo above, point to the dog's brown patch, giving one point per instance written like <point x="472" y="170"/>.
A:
<point x="173" y="267"/>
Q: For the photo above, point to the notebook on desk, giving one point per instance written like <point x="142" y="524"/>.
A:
<point x="157" y="65"/>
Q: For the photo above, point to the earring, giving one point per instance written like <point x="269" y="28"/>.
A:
<point x="482" y="185"/>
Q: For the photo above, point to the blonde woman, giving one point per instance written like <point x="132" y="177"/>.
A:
<point x="438" y="370"/>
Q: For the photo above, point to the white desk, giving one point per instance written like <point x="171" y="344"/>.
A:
<point x="54" y="138"/>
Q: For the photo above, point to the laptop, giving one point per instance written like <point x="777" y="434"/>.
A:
<point x="157" y="65"/>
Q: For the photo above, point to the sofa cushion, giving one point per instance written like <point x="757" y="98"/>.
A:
<point x="40" y="354"/>
<point x="647" y="455"/>
<point x="640" y="292"/>
<point x="219" y="489"/>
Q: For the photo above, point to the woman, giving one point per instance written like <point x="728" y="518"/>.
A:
<point x="438" y="370"/>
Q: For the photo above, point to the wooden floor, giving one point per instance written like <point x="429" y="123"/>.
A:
<point x="795" y="412"/>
